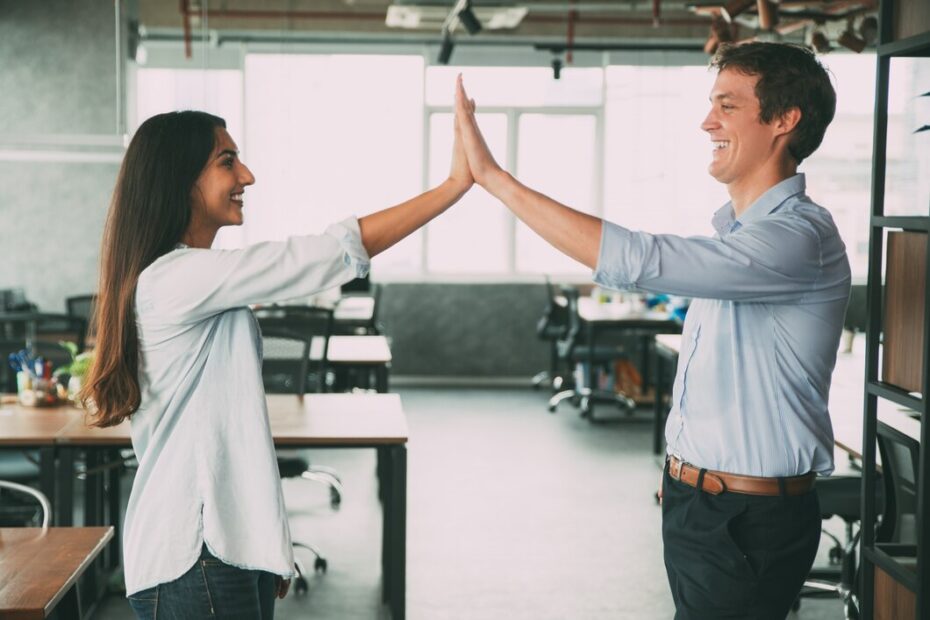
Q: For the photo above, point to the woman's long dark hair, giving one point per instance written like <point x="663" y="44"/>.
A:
<point x="149" y="214"/>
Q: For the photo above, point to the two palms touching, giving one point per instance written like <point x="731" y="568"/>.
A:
<point x="472" y="161"/>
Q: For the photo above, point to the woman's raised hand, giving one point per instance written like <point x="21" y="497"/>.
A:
<point x="484" y="169"/>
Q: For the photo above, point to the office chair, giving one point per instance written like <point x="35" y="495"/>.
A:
<point x="840" y="496"/>
<point x="900" y="455"/>
<point x="44" y="327"/>
<point x="82" y="307"/>
<point x="285" y="370"/>
<point x="44" y="505"/>
<point x="574" y="350"/>
<point x="551" y="327"/>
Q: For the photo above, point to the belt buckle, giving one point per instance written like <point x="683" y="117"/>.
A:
<point x="681" y="465"/>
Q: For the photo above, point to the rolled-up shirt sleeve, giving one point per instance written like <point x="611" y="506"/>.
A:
<point x="775" y="260"/>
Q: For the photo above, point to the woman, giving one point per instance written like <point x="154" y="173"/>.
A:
<point x="178" y="353"/>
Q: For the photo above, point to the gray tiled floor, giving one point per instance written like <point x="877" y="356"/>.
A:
<point x="513" y="514"/>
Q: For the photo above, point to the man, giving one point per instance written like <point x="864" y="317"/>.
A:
<point x="748" y="429"/>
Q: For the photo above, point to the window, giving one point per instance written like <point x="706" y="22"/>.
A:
<point x="329" y="136"/>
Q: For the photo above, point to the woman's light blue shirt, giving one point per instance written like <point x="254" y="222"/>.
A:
<point x="760" y="339"/>
<point x="207" y="469"/>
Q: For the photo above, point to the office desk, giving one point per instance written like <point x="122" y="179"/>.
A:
<point x="32" y="428"/>
<point x="846" y="400"/>
<point x="611" y="319"/>
<point x="40" y="569"/>
<point x="358" y="353"/>
<point x="315" y="421"/>
<point x="354" y="311"/>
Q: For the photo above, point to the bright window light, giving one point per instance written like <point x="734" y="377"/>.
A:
<point x="333" y="136"/>
<point x="557" y="156"/>
<point x="516" y="86"/>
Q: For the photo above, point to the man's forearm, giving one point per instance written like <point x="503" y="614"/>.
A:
<point x="576" y="234"/>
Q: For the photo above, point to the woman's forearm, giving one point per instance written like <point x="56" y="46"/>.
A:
<point x="384" y="228"/>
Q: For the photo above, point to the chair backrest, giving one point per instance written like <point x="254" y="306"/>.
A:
<point x="857" y="319"/>
<point x="572" y="334"/>
<point x="900" y="456"/>
<point x="358" y="285"/>
<point x="39" y="497"/>
<point x="553" y="323"/>
<point x="82" y="306"/>
<point x="282" y="327"/>
<point x="285" y="360"/>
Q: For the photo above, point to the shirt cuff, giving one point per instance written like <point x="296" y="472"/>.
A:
<point x="349" y="236"/>
<point x="626" y="257"/>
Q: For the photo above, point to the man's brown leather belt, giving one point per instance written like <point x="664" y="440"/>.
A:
<point x="716" y="482"/>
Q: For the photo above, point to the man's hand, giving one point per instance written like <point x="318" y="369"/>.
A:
<point x="659" y="492"/>
<point x="483" y="167"/>
<point x="281" y="586"/>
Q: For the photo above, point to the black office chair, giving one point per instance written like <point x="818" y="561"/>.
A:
<point x="551" y="327"/>
<point x="44" y="327"/>
<point x="357" y="285"/>
<point x="82" y="307"/>
<point x="573" y="350"/>
<point x="840" y="496"/>
<point x="900" y="455"/>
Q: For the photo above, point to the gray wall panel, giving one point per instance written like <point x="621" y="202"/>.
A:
<point x="465" y="330"/>
<point x="52" y="218"/>
<point x="57" y="67"/>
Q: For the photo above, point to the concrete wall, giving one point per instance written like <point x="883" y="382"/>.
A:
<point x="465" y="330"/>
<point x="58" y="143"/>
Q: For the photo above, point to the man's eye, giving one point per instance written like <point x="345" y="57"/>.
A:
<point x="228" y="162"/>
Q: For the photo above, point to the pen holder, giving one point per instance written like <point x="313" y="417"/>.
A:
<point x="37" y="392"/>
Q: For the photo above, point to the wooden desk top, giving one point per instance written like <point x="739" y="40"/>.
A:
<point x="38" y="567"/>
<point x="847" y="398"/>
<point x="33" y="426"/>
<point x="337" y="419"/>
<point x="353" y="350"/>
<point x="354" y="308"/>
<point x="315" y="420"/>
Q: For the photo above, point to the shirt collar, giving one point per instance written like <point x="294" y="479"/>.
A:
<point x="724" y="221"/>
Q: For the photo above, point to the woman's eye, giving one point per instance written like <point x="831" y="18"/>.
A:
<point x="228" y="162"/>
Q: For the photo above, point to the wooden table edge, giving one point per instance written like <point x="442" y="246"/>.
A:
<point x="81" y="568"/>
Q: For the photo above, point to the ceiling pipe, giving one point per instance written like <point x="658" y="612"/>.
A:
<point x="768" y="14"/>
<point x="186" y="19"/>
<point x="570" y="39"/>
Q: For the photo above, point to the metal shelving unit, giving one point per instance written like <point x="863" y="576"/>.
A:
<point x="896" y="561"/>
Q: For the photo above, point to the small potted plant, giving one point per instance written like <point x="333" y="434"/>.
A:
<point x="72" y="374"/>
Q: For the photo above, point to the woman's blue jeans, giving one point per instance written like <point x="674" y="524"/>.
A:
<point x="210" y="589"/>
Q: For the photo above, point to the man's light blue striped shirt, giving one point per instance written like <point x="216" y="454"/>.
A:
<point x="760" y="340"/>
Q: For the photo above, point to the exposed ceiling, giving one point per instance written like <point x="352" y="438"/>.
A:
<point x="549" y="24"/>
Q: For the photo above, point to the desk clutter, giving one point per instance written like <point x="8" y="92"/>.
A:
<point x="325" y="371"/>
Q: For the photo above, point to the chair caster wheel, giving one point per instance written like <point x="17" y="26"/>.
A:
<point x="320" y="565"/>
<point x="335" y="498"/>
<point x="836" y="555"/>
<point x="796" y="605"/>
<point x="551" y="408"/>
<point x="301" y="586"/>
